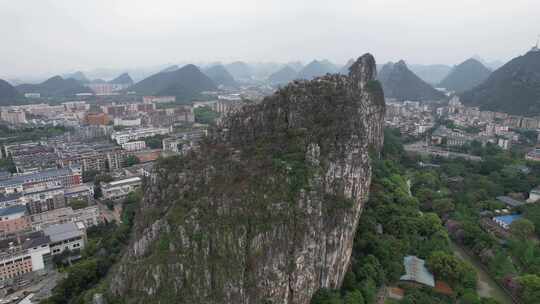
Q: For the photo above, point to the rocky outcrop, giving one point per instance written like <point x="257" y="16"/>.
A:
<point x="267" y="210"/>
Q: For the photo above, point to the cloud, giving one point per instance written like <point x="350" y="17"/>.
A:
<point x="53" y="36"/>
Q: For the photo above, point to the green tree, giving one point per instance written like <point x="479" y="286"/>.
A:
<point x="456" y="271"/>
<point x="326" y="296"/>
<point x="443" y="206"/>
<point x="530" y="284"/>
<point x="353" y="297"/>
<point x="132" y="160"/>
<point x="205" y="115"/>
<point x="522" y="228"/>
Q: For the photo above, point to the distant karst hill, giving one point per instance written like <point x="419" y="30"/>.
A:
<point x="185" y="83"/>
<point x="317" y="68"/>
<point x="465" y="76"/>
<point x="220" y="76"/>
<point x="431" y="73"/>
<point x="285" y="75"/>
<point x="514" y="88"/>
<point x="79" y="76"/>
<point x="400" y="83"/>
<point x="55" y="87"/>
<point x="8" y="94"/>
<point x="240" y="70"/>
<point x="124" y="79"/>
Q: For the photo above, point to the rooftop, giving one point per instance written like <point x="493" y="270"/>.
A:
<point x="416" y="271"/>
<point x="12" y="210"/>
<point x="39" y="175"/>
<point x="510" y="201"/>
<point x="62" y="232"/>
<point x="124" y="181"/>
<point x="508" y="219"/>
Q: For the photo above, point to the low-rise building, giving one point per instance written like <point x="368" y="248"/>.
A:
<point x="13" y="116"/>
<point x="13" y="199"/>
<point x="127" y="122"/>
<point x="159" y="99"/>
<point x="14" y="219"/>
<point x="89" y="216"/>
<point x="69" y="236"/>
<point x="504" y="221"/>
<point x="134" y="145"/>
<point x="97" y="119"/>
<point x="119" y="189"/>
<point x="66" y="177"/>
<point x="122" y="137"/>
<point x="83" y="192"/>
<point x="534" y="195"/>
<point x="22" y="255"/>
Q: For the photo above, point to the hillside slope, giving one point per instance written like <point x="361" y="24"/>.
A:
<point x="400" y="83"/>
<point x="514" y="88"/>
<point x="465" y="76"/>
<point x="185" y="83"/>
<point x="267" y="210"/>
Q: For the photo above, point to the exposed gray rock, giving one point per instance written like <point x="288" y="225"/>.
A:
<point x="266" y="212"/>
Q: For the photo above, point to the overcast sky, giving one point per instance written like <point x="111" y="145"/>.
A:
<point x="53" y="36"/>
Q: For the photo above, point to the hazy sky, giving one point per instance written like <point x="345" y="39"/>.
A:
<point x="54" y="36"/>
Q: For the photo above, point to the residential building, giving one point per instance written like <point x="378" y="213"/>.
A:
<point x="119" y="189"/>
<point x="534" y="154"/>
<point x="13" y="116"/>
<point x="41" y="199"/>
<point x="134" y="145"/>
<point x="13" y="199"/>
<point x="32" y="95"/>
<point x="76" y="106"/>
<point x="89" y="216"/>
<point x="101" y="88"/>
<point x="159" y="99"/>
<point x="66" y="177"/>
<point x="13" y="219"/>
<point x="127" y="122"/>
<point x="122" y="137"/>
<point x="69" y="236"/>
<point x="92" y="157"/>
<point x="83" y="192"/>
<point x="97" y="119"/>
<point x="22" y="255"/>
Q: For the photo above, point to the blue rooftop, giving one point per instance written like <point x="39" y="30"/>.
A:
<point x="12" y="210"/>
<point x="21" y="179"/>
<point x="508" y="219"/>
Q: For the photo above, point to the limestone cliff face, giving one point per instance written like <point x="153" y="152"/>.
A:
<point x="267" y="210"/>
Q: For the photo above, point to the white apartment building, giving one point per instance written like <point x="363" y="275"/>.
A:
<point x="119" y="189"/>
<point x="122" y="137"/>
<point x="134" y="145"/>
<point x="127" y="122"/>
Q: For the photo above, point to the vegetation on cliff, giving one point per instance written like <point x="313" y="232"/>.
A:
<point x="230" y="223"/>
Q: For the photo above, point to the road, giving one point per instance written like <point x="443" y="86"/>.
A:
<point x="486" y="286"/>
